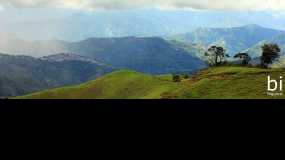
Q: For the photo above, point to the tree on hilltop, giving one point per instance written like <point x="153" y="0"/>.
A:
<point x="245" y="57"/>
<point x="270" y="52"/>
<point x="216" y="55"/>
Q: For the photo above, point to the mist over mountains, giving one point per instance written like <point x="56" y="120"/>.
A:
<point x="247" y="38"/>
<point x="52" y="31"/>
<point x="75" y="26"/>
<point x="53" y="63"/>
<point x="236" y="39"/>
<point x="46" y="44"/>
<point x="149" y="55"/>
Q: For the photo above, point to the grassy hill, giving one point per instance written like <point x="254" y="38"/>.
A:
<point x="213" y="83"/>
<point x="120" y="84"/>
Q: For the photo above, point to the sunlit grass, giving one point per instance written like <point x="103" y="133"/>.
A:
<point x="214" y="83"/>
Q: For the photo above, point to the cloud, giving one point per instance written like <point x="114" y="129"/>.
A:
<point x="140" y="4"/>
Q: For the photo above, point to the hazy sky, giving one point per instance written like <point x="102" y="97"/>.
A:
<point x="84" y="18"/>
<point x="138" y="4"/>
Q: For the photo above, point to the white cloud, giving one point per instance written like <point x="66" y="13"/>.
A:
<point x="138" y="4"/>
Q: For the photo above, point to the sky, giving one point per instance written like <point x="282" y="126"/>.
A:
<point x="139" y="4"/>
<point x="46" y="9"/>
<point x="24" y="17"/>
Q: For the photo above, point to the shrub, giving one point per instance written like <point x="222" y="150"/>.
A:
<point x="176" y="78"/>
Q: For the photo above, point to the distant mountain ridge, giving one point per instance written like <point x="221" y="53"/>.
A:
<point x="76" y="26"/>
<point x="149" y="55"/>
<point x="23" y="74"/>
<point x="256" y="50"/>
<point x="234" y="39"/>
<point x="154" y="55"/>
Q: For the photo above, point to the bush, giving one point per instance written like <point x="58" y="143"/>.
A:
<point x="270" y="52"/>
<point x="185" y="76"/>
<point x="176" y="78"/>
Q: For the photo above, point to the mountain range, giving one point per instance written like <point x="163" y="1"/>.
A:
<point x="256" y="50"/>
<point x="94" y="57"/>
<point x="23" y="74"/>
<point x="148" y="55"/>
<point x="54" y="63"/>
<point x="235" y="40"/>
<point x="76" y="26"/>
<point x="183" y="52"/>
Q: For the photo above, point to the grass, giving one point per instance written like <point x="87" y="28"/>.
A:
<point x="117" y="85"/>
<point x="214" y="83"/>
<point x="230" y="83"/>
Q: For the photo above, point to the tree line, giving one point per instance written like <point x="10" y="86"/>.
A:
<point x="217" y="55"/>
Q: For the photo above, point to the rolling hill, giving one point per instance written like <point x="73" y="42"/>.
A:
<point x="213" y="83"/>
<point x="21" y="75"/>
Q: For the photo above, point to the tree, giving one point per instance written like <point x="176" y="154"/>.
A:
<point x="270" y="52"/>
<point x="176" y="78"/>
<point x="216" y="55"/>
<point x="185" y="76"/>
<point x="244" y="57"/>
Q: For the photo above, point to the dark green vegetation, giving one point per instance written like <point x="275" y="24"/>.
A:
<point x="213" y="83"/>
<point x="244" y="57"/>
<point x="22" y="74"/>
<point x="270" y="53"/>
<point x="216" y="56"/>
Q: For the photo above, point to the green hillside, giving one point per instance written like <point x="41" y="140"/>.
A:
<point x="213" y="83"/>
<point x="120" y="84"/>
